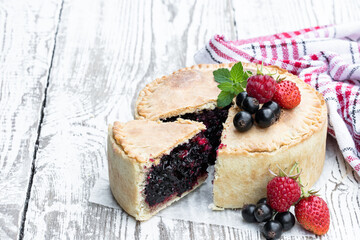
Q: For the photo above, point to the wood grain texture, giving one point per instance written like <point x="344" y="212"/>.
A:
<point x="26" y="45"/>
<point x="104" y="55"/>
<point x="105" y="52"/>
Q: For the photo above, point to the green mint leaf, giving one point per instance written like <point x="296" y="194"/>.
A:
<point x="226" y="87"/>
<point x="222" y="75"/>
<point x="238" y="88"/>
<point x="237" y="72"/>
<point x="243" y="84"/>
<point x="231" y="83"/>
<point x="225" y="98"/>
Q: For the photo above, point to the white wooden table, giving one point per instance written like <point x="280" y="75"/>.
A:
<point x="70" y="67"/>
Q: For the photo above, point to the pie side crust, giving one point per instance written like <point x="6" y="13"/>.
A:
<point x="144" y="139"/>
<point x="127" y="178"/>
<point x="241" y="178"/>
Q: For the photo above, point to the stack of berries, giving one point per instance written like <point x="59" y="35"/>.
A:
<point x="284" y="191"/>
<point x="273" y="95"/>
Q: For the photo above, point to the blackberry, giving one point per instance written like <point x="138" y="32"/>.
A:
<point x="274" y="107"/>
<point x="250" y="104"/>
<point x="272" y="229"/>
<point x="243" y="121"/>
<point x="248" y="213"/>
<point x="240" y="98"/>
<point x="263" y="212"/>
<point x="263" y="200"/>
<point x="265" y="117"/>
<point x="286" y="219"/>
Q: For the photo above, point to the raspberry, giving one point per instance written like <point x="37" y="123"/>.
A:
<point x="282" y="192"/>
<point x="287" y="94"/>
<point x="261" y="87"/>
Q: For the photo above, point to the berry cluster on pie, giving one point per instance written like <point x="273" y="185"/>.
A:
<point x="272" y="125"/>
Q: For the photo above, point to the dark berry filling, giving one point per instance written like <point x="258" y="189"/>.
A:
<point x="213" y="120"/>
<point x="179" y="171"/>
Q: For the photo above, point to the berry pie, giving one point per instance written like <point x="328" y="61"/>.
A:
<point x="242" y="159"/>
<point x="153" y="163"/>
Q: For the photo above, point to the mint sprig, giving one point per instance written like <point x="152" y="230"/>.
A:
<point x="231" y="83"/>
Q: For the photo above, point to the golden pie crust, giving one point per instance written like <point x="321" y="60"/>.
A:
<point x="143" y="139"/>
<point x="130" y="147"/>
<point x="185" y="91"/>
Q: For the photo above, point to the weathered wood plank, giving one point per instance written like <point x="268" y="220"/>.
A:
<point x="27" y="36"/>
<point x="104" y="56"/>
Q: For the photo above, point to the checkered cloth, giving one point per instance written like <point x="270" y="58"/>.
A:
<point x="326" y="57"/>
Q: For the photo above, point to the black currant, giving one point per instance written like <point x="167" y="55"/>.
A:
<point x="263" y="212"/>
<point x="240" y="98"/>
<point x="248" y="213"/>
<point x="272" y="229"/>
<point x="265" y="117"/>
<point x="263" y="200"/>
<point x="273" y="106"/>
<point x="250" y="104"/>
<point x="286" y="219"/>
<point x="243" y="121"/>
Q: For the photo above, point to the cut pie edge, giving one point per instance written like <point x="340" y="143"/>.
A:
<point x="127" y="178"/>
<point x="145" y="146"/>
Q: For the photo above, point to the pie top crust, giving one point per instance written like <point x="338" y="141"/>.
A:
<point x="294" y="126"/>
<point x="186" y="90"/>
<point x="194" y="89"/>
<point x="144" y="139"/>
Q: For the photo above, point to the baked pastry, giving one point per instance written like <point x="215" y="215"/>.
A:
<point x="152" y="163"/>
<point x="189" y="93"/>
<point x="244" y="158"/>
<point x="241" y="169"/>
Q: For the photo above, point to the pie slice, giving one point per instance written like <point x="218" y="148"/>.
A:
<point x="153" y="163"/>
<point x="190" y="93"/>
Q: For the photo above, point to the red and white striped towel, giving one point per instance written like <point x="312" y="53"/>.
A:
<point x="327" y="58"/>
